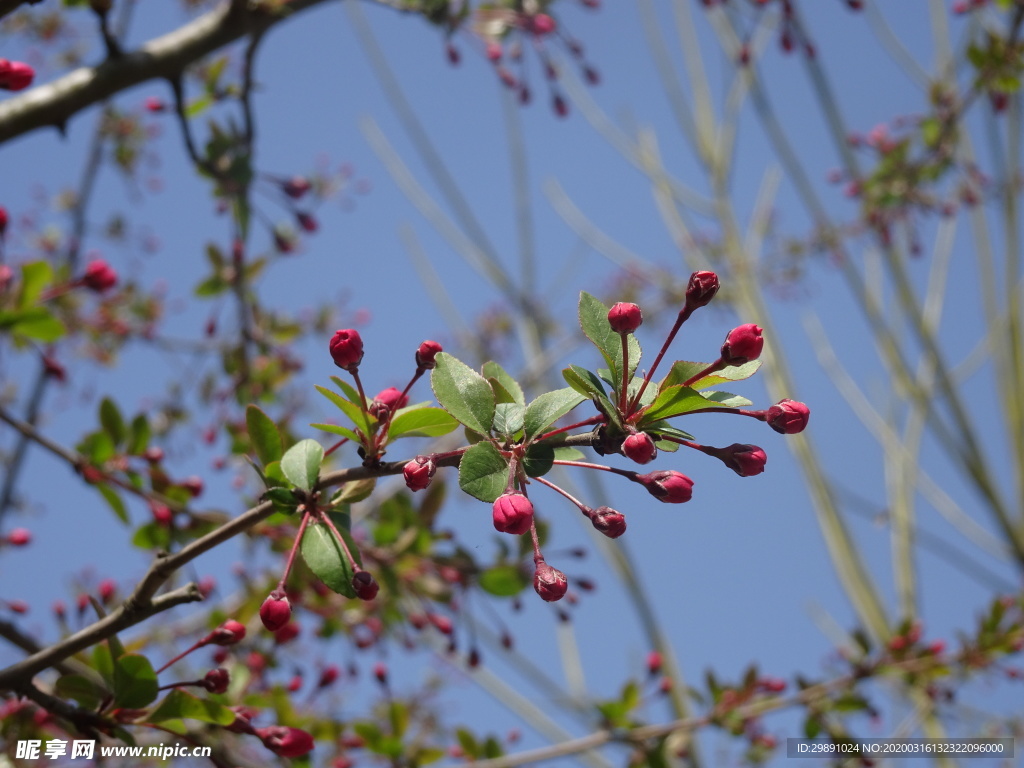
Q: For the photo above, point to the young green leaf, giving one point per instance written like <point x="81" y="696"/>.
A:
<point x="266" y="440"/>
<point x="81" y="689"/>
<point x="726" y="399"/>
<point x="548" y="408"/>
<point x="683" y="370"/>
<point x="593" y="316"/>
<point x="355" y="413"/>
<point x="111" y="420"/>
<point x="325" y="557"/>
<point x="179" y="704"/>
<point x="503" y="581"/>
<point x="483" y="472"/>
<point x="421" y="422"/>
<point x="505" y="384"/>
<point x="135" y="684"/>
<point x="538" y="459"/>
<point x="334" y="429"/>
<point x="138" y="435"/>
<point x="673" y="401"/>
<point x="463" y="392"/>
<point x="301" y="463"/>
<point x="508" y="419"/>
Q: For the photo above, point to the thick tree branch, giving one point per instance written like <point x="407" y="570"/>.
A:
<point x="53" y="104"/>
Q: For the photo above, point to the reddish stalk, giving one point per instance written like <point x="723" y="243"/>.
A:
<point x="341" y="541"/>
<point x="295" y="548"/>
<point x="684" y="313"/>
<point x="599" y="419"/>
<point x="625" y="375"/>
<point x="715" y="366"/>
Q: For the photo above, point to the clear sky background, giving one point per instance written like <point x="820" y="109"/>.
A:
<point x="737" y="575"/>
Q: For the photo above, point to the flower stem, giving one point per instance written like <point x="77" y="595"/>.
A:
<point x="599" y="419"/>
<point x="625" y="374"/>
<point x="295" y="549"/>
<point x="341" y="540"/>
<point x="562" y="491"/>
<point x="684" y="313"/>
<point x="718" y="365"/>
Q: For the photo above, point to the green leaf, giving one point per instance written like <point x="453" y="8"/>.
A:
<point x="483" y="472"/>
<point x="212" y="286"/>
<point x="593" y="316"/>
<point x="151" y="536"/>
<point x="135" y="684"/>
<point x="325" y="557"/>
<point x="503" y="581"/>
<point x="355" y="413"/>
<point x="508" y="419"/>
<point x="727" y="399"/>
<point x="539" y="459"/>
<point x="665" y="428"/>
<point x="97" y="447"/>
<point x="81" y="689"/>
<point x="463" y="392"/>
<point x="110" y="496"/>
<point x="548" y="408"/>
<point x="35" y="276"/>
<point x="301" y="463"/>
<point x="684" y="371"/>
<point x="354" y="490"/>
<point x="421" y="422"/>
<point x="673" y="401"/>
<point x="179" y="704"/>
<point x="266" y="440"/>
<point x="568" y="453"/>
<point x="111" y="420"/>
<point x="36" y="323"/>
<point x="505" y="384"/>
<point x="138" y="435"/>
<point x="103" y="663"/>
<point x="334" y="429"/>
<point x="588" y="383"/>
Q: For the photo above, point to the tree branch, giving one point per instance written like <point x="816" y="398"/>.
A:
<point x="53" y="104"/>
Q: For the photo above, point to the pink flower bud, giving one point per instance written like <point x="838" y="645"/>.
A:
<point x="653" y="663"/>
<point x="640" y="448"/>
<point x="625" y="317"/>
<point x="154" y="104"/>
<point x="550" y="583"/>
<point x="513" y="513"/>
<point x="3" y="220"/>
<point x="228" y="633"/>
<point x="743" y="459"/>
<point x="540" y="24"/>
<point x="742" y="344"/>
<point x="217" y="680"/>
<point x="154" y="454"/>
<point x="107" y="589"/>
<point x="426" y="353"/>
<point x="417" y="473"/>
<point x="441" y="623"/>
<point x="193" y="484"/>
<point x="609" y="522"/>
<point x="15" y="75"/>
<point x="667" y="486"/>
<point x="347" y="349"/>
<point x="276" y="611"/>
<point x="18" y="606"/>
<point x="788" y="417"/>
<point x="701" y="289"/>
<point x="99" y="276"/>
<point x="380" y="671"/>
<point x="365" y="586"/>
<point x="284" y="741"/>
<point x="388" y="401"/>
<point x="162" y="514"/>
<point x="19" y="537"/>
<point x="295" y="187"/>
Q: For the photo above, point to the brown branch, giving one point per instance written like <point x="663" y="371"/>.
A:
<point x="10" y="6"/>
<point x="53" y="104"/>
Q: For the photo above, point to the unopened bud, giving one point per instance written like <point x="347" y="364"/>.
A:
<point x="276" y="611"/>
<point x="284" y="741"/>
<point x="217" y="680"/>
<point x="625" y="317"/>
<point x="742" y="344"/>
<point x="346" y="348"/>
<point x="512" y="513"/>
<point x="701" y="289"/>
<point x="365" y="586"/>
<point x="550" y="583"/>
<point x="609" y="522"/>
<point x="788" y="417"/>
<point x="228" y="633"/>
<point x="426" y="353"/>
<point x="667" y="486"/>
<point x="640" y="448"/>
<point x="417" y="473"/>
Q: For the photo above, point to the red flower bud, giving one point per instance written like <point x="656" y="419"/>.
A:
<point x="154" y="104"/>
<point x="284" y="741"/>
<point x="295" y="187"/>
<point x="701" y="289"/>
<point x="55" y="370"/>
<point x="625" y="317"/>
<point x="287" y="633"/>
<point x="328" y="676"/>
<point x="346" y="349"/>
<point x="15" y="75"/>
<point x="441" y="623"/>
<point x="19" y="537"/>
<point x="513" y="513"/>
<point x="609" y="522"/>
<point x="18" y="606"/>
<point x="3" y="221"/>
<point x="388" y="401"/>
<point x="550" y="583"/>
<point x="365" y="586"/>
<point x="99" y="276"/>
<point x="307" y="221"/>
<point x="154" y="454"/>
<point x="228" y="633"/>
<point x="640" y="448"/>
<point x="380" y="671"/>
<point x="745" y="460"/>
<point x="162" y="514"/>
<point x="107" y="589"/>
<point x="667" y="486"/>
<point x="540" y="24"/>
<point x="788" y="417"/>
<point x="426" y="353"/>
<point x="417" y="475"/>
<point x="193" y="484"/>
<point x="217" y="680"/>
<point x="276" y="611"/>
<point x="742" y="344"/>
